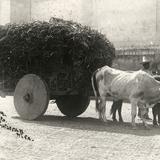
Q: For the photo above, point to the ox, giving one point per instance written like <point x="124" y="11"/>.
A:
<point x="117" y="105"/>
<point x="140" y="88"/>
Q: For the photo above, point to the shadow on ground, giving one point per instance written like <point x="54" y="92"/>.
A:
<point x="93" y="124"/>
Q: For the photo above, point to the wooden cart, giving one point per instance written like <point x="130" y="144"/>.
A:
<point x="37" y="71"/>
<point x="33" y="90"/>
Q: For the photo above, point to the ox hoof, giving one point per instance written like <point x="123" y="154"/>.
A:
<point x="134" y="127"/>
<point x="103" y="120"/>
<point x="156" y="126"/>
<point x="121" y="121"/>
<point x="147" y="127"/>
<point x="115" y="120"/>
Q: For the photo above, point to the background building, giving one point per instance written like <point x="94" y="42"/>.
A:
<point x="126" y="23"/>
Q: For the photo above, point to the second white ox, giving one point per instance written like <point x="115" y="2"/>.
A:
<point x="140" y="88"/>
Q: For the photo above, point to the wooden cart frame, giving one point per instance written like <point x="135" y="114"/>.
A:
<point x="32" y="93"/>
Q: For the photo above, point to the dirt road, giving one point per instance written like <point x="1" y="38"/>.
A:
<point x="84" y="138"/>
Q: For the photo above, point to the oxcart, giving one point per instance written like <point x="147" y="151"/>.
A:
<point x="33" y="91"/>
<point x="41" y="61"/>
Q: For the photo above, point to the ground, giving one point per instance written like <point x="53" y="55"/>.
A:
<point x="57" y="137"/>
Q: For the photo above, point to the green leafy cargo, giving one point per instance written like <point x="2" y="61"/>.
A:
<point x="41" y="47"/>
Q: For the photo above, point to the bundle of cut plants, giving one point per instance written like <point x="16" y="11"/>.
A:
<point x="45" y="47"/>
<point x="3" y="30"/>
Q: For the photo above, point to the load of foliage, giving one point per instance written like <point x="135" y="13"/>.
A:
<point x="44" y="47"/>
<point x="3" y="30"/>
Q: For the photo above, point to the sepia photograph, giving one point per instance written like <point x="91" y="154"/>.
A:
<point x="79" y="79"/>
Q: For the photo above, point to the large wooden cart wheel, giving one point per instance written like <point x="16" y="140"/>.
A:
<point x="31" y="97"/>
<point x="72" y="105"/>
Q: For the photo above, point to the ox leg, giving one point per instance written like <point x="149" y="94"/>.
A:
<point x="120" y="111"/>
<point x="114" y="116"/>
<point x="154" y="112"/>
<point x="133" y="113"/>
<point x="114" y="108"/>
<point x="102" y="109"/>
<point x="143" y="113"/>
<point x="117" y="105"/>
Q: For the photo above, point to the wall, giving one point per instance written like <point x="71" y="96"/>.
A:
<point x="158" y="20"/>
<point x="4" y="11"/>
<point x="66" y="9"/>
<point x="125" y="22"/>
<point x="20" y="11"/>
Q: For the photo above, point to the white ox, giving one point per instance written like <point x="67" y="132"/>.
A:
<point x="140" y="88"/>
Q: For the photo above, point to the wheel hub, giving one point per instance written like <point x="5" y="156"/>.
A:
<point x="28" y="98"/>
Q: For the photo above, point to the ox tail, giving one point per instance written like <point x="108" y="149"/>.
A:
<point x="95" y="88"/>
